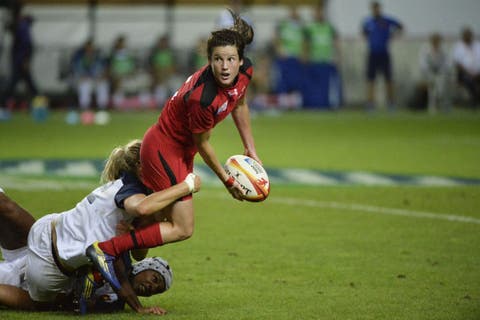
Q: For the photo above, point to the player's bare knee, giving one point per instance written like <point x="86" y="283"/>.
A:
<point x="184" y="233"/>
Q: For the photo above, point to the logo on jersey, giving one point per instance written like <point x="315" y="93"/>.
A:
<point x="222" y="108"/>
<point x="233" y="92"/>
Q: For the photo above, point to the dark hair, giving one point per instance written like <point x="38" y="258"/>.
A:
<point x="239" y="36"/>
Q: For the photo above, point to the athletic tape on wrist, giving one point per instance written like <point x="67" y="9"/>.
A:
<point x="190" y="181"/>
<point x="230" y="181"/>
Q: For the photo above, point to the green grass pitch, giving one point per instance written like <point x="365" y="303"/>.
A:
<point x="307" y="252"/>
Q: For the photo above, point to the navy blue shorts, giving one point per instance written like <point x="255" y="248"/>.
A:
<point x="379" y="63"/>
<point x="289" y="75"/>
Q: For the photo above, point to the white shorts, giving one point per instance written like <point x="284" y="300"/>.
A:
<point x="45" y="281"/>
<point x="13" y="266"/>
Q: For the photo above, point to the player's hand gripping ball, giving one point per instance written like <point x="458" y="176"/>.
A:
<point x="251" y="177"/>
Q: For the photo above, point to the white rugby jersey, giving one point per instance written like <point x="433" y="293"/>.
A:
<point x="94" y="219"/>
<point x="12" y="268"/>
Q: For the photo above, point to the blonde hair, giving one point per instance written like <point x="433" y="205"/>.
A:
<point x="122" y="159"/>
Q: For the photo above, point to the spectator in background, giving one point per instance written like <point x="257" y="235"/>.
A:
<point x="2" y="41"/>
<point x="162" y="67"/>
<point x="261" y="97"/>
<point x="121" y="64"/>
<point x="466" y="57"/>
<point x="323" y="85"/>
<point x="289" y="45"/>
<point x="89" y="75"/>
<point x="21" y="57"/>
<point x="379" y="30"/>
<point x="198" y="57"/>
<point x="435" y="71"/>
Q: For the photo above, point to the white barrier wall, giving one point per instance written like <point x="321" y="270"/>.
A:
<point x="59" y="29"/>
<point x="68" y="25"/>
<point x="420" y="17"/>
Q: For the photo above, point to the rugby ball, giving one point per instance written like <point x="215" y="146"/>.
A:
<point x="251" y="177"/>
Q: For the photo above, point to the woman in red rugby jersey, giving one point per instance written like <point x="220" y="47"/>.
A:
<point x="184" y="128"/>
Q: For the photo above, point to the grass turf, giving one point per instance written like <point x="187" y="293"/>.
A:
<point x="291" y="261"/>
<point x="406" y="143"/>
<point x="295" y="256"/>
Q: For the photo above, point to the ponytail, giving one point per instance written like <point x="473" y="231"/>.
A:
<point x="122" y="159"/>
<point x="239" y="35"/>
<point x="242" y="27"/>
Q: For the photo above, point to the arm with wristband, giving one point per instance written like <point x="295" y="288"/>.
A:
<point x="241" y="117"/>
<point x="207" y="152"/>
<point x="141" y="204"/>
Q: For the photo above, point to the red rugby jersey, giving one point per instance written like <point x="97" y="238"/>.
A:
<point x="200" y="104"/>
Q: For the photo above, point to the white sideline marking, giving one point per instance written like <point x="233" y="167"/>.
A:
<point x="435" y="181"/>
<point x="368" y="179"/>
<point x="308" y="177"/>
<point x="28" y="167"/>
<point x="77" y="169"/>
<point x="367" y="208"/>
<point x="39" y="184"/>
<point x="33" y="184"/>
<point x="374" y="209"/>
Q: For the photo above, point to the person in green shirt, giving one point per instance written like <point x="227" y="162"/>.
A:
<point x="121" y="65"/>
<point x="197" y="57"/>
<point x="289" y="45"/>
<point x="323" y="85"/>
<point x="162" y="66"/>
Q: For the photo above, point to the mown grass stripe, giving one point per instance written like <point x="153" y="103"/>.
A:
<point x="92" y="168"/>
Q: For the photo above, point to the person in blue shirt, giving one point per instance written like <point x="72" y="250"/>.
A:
<point x="89" y="75"/>
<point x="289" y="52"/>
<point x="378" y="30"/>
<point x="22" y="51"/>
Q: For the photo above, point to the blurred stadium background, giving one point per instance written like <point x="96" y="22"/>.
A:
<point x="371" y="216"/>
<point x="62" y="26"/>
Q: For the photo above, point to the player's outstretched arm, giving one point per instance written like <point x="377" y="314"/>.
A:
<point x="241" y="117"/>
<point x="127" y="293"/>
<point x="142" y="205"/>
<point x="153" y="310"/>
<point x="208" y="155"/>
